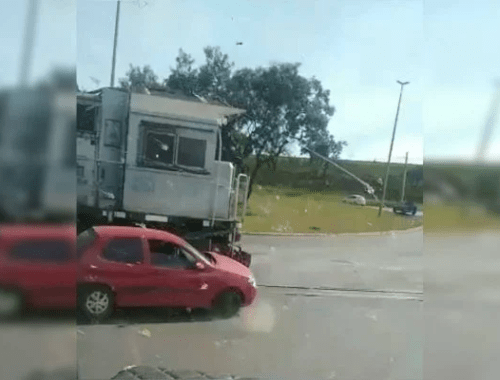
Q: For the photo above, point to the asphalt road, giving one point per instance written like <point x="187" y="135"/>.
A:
<point x="387" y="263"/>
<point x="308" y="333"/>
<point x="328" y="308"/>
<point x="286" y="335"/>
<point x="462" y="305"/>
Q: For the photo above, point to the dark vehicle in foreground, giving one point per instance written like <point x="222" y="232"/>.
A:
<point x="405" y="208"/>
<point x="141" y="267"/>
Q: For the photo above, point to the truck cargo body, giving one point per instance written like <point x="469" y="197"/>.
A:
<point x="155" y="160"/>
<point x="37" y="154"/>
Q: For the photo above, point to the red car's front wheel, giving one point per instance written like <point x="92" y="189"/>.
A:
<point x="227" y="304"/>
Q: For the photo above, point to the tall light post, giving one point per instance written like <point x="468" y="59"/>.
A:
<point x="115" y="43"/>
<point x="390" y="150"/>
<point x="490" y="122"/>
<point x="29" y="38"/>
<point x="404" y="179"/>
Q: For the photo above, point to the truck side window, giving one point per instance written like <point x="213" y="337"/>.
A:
<point x="85" y="115"/>
<point x="160" y="148"/>
<point x="191" y="152"/>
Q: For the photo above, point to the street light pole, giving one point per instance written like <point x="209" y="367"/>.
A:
<point x="115" y="43"/>
<point x="404" y="180"/>
<point x="480" y="157"/>
<point x="29" y="38"/>
<point x="390" y="150"/>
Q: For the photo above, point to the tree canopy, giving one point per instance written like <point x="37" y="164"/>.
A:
<point x="283" y="108"/>
<point x="138" y="78"/>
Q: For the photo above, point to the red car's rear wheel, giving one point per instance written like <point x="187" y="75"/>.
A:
<point x="96" y="302"/>
<point x="11" y="303"/>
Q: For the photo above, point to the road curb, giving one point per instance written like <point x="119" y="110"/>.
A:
<point x="158" y="373"/>
<point x="375" y="233"/>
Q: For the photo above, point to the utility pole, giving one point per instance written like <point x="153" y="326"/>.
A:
<point x="29" y="37"/>
<point x="390" y="150"/>
<point x="490" y="122"/>
<point x="368" y="188"/>
<point x="404" y="180"/>
<point x="115" y="42"/>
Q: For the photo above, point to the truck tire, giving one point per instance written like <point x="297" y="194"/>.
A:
<point x="227" y="305"/>
<point x="96" y="302"/>
<point x="414" y="211"/>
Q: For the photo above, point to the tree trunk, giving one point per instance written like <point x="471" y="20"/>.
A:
<point x="325" y="169"/>
<point x="258" y="164"/>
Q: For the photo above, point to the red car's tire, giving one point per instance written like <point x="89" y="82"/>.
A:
<point x="227" y="304"/>
<point x="96" y="302"/>
<point x="12" y="303"/>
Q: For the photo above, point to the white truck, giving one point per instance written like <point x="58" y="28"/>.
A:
<point x="155" y="160"/>
<point x="37" y="152"/>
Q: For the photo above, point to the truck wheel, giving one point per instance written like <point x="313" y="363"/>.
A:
<point x="11" y="304"/>
<point x="227" y="305"/>
<point x="394" y="210"/>
<point x="96" y="302"/>
<point x="414" y="211"/>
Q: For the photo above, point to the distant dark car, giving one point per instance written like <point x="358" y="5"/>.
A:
<point x="405" y="208"/>
<point x="141" y="267"/>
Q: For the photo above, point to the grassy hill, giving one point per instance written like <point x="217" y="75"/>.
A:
<point x="304" y="174"/>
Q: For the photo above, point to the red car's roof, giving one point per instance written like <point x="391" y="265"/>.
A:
<point x="121" y="231"/>
<point x="20" y="231"/>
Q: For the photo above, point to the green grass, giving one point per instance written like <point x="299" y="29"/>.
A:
<point x="273" y="209"/>
<point x="300" y="173"/>
<point x="459" y="217"/>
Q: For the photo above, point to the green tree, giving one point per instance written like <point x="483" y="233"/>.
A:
<point x="487" y="189"/>
<point x="282" y="107"/>
<point x="138" y="78"/>
<point x="183" y="76"/>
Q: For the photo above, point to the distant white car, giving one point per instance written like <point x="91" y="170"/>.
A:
<point x="355" y="199"/>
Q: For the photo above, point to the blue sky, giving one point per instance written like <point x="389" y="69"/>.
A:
<point x="357" y="48"/>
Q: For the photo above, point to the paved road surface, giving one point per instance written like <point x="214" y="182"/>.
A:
<point x="386" y="263"/>
<point x="332" y="334"/>
<point x="294" y="329"/>
<point x="294" y="334"/>
<point x="462" y="305"/>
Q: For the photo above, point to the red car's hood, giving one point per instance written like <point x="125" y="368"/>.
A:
<point x="229" y="265"/>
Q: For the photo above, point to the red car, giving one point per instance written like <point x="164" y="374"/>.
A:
<point x="38" y="267"/>
<point x="138" y="267"/>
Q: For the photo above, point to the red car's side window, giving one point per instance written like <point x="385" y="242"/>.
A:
<point x="124" y="250"/>
<point x="167" y="254"/>
<point x="42" y="251"/>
